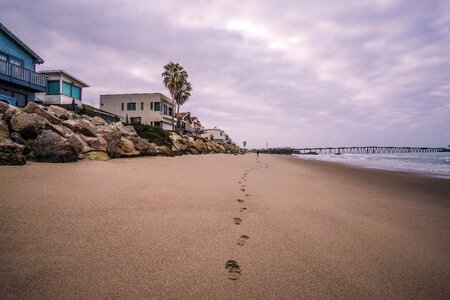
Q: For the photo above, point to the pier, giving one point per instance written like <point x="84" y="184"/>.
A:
<point x="353" y="150"/>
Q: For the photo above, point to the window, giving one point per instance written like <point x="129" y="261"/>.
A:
<point x="66" y="89"/>
<point x="123" y="106"/>
<point x="16" y="61"/>
<point x="165" y="109"/>
<point x="53" y="88"/>
<point x="131" y="106"/>
<point x="157" y="124"/>
<point x="221" y="133"/>
<point x="76" y="92"/>
<point x="3" y="57"/>
<point x="142" y="105"/>
<point x="151" y="105"/>
<point x="135" y="120"/>
<point x="170" y="111"/>
<point x="157" y="106"/>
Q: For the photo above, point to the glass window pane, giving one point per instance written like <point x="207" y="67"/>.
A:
<point x="66" y="88"/>
<point x="131" y="106"/>
<point x="76" y="92"/>
<point x="53" y="88"/>
<point x="3" y="57"/>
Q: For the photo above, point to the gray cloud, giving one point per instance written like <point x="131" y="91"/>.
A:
<point x="291" y="73"/>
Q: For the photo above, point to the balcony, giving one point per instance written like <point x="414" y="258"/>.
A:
<point x="23" y="77"/>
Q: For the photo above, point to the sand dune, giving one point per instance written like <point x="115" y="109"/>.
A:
<point x="221" y="226"/>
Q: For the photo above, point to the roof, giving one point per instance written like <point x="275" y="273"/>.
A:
<point x="183" y="115"/>
<point x="49" y="72"/>
<point x="3" y="28"/>
<point x="130" y="94"/>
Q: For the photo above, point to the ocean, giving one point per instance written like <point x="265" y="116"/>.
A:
<point x="433" y="164"/>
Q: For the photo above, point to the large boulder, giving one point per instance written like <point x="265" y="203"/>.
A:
<point x="4" y="130"/>
<point x="144" y="147"/>
<point x="41" y="111"/>
<point x="165" y="151"/>
<point x="118" y="146"/>
<point x="60" y="112"/>
<point x="127" y="148"/>
<point x="28" y="125"/>
<point x="97" y="155"/>
<point x="7" y="114"/>
<point x="11" y="153"/>
<point x="97" y="121"/>
<point x="51" y="147"/>
<point x="3" y="107"/>
<point x="95" y="143"/>
<point x="82" y="126"/>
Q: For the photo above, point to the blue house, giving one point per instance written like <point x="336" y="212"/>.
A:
<point x="19" y="80"/>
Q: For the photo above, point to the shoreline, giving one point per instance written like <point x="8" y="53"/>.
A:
<point x="405" y="171"/>
<point x="174" y="228"/>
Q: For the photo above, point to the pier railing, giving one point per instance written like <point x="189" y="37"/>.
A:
<point x="353" y="150"/>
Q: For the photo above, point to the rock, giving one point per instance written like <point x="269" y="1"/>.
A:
<point x="127" y="148"/>
<point x="76" y="143"/>
<point x="60" y="112"/>
<point x="41" y="111"/>
<point x="165" y="151"/>
<point x="51" y="147"/>
<point x="127" y="131"/>
<point x="98" y="143"/>
<point x="97" y="121"/>
<point x="118" y="146"/>
<point x="17" y="138"/>
<point x="144" y="147"/>
<point x="4" y="107"/>
<point x="82" y="126"/>
<point x="28" y="125"/>
<point x="4" y="130"/>
<point x="97" y="155"/>
<point x="11" y="153"/>
<point x="193" y="151"/>
<point x="61" y="130"/>
<point x="7" y="114"/>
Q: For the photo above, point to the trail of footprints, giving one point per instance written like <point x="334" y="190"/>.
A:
<point x="233" y="267"/>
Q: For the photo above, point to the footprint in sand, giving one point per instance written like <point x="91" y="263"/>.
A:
<point x="242" y="240"/>
<point x="237" y="221"/>
<point x="243" y="190"/>
<point x="240" y="182"/>
<point x="243" y="209"/>
<point x="247" y="195"/>
<point x="240" y="200"/>
<point x="234" y="270"/>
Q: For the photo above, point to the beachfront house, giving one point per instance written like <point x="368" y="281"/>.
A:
<point x="63" y="89"/>
<point x="147" y="108"/>
<point x="19" y="80"/>
<point x="216" y="134"/>
<point x="197" y="126"/>
<point x="184" y="123"/>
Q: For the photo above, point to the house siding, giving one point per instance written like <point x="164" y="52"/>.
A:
<point x="9" y="47"/>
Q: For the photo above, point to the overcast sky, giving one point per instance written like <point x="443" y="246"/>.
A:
<point x="290" y="73"/>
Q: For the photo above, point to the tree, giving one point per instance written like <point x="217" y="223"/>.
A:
<point x="175" y="79"/>
<point x="244" y="143"/>
<point x="183" y="94"/>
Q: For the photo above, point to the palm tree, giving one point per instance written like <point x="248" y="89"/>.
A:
<point x="175" y="77"/>
<point x="183" y="95"/>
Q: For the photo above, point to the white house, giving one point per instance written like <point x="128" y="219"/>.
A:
<point x="62" y="89"/>
<point x="147" y="108"/>
<point x="216" y="134"/>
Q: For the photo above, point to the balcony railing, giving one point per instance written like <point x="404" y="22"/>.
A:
<point x="29" y="77"/>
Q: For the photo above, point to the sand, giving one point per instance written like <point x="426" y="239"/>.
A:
<point x="160" y="227"/>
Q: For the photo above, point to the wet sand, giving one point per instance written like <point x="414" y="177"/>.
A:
<point x="167" y="228"/>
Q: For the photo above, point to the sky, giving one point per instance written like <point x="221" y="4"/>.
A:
<point x="289" y="73"/>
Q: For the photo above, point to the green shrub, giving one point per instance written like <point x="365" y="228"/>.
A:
<point x="86" y="110"/>
<point x="153" y="134"/>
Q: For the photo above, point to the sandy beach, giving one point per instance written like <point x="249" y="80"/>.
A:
<point x="158" y="227"/>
